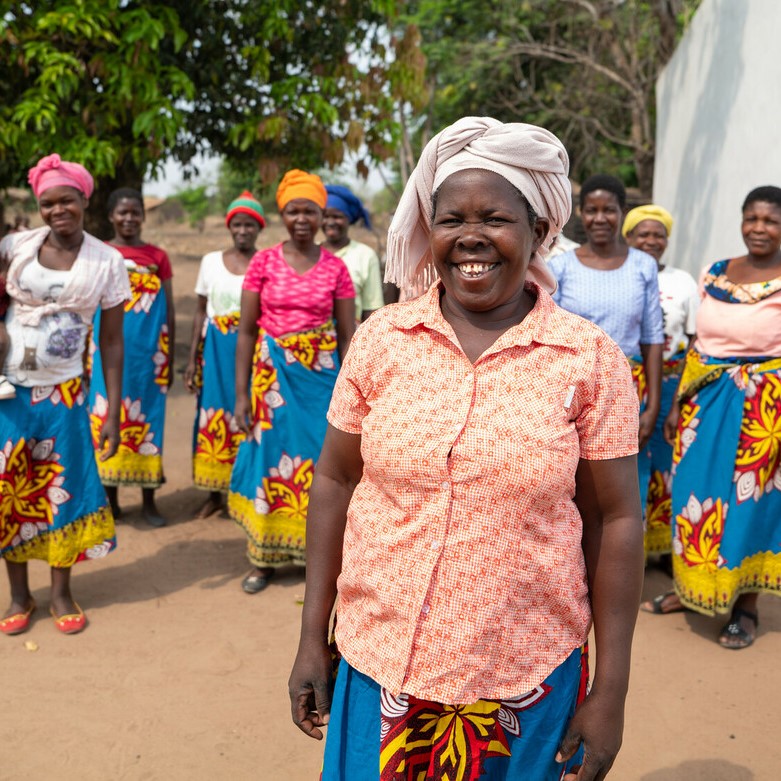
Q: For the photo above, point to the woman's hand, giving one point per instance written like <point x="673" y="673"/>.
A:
<point x="189" y="377"/>
<point x="598" y="724"/>
<point x="108" y="444"/>
<point x="242" y="412"/>
<point x="670" y="427"/>
<point x="310" y="688"/>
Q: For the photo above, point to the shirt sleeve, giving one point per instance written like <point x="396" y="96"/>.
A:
<point x="556" y="267"/>
<point x="692" y="305"/>
<point x="344" y="285"/>
<point x="253" y="278"/>
<point x="371" y="294"/>
<point x="6" y="244"/>
<point x="202" y="283"/>
<point x="117" y="289"/>
<point x="348" y="403"/>
<point x="164" y="269"/>
<point x="652" y="327"/>
<point x="608" y="420"/>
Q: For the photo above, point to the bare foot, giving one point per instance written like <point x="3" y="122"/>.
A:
<point x="212" y="505"/>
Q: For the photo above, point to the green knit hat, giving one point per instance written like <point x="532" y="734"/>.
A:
<point x="246" y="204"/>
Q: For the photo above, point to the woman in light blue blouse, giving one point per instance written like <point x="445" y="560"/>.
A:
<point x="617" y="288"/>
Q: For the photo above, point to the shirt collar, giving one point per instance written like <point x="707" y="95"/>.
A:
<point x="546" y="324"/>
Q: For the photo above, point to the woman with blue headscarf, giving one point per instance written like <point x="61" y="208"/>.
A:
<point x="342" y="210"/>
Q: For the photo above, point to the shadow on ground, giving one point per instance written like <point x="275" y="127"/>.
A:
<point x="702" y="770"/>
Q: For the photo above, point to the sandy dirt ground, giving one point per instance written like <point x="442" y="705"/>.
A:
<point x="180" y="675"/>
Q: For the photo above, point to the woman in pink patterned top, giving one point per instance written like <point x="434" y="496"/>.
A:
<point x="476" y="503"/>
<point x="297" y="319"/>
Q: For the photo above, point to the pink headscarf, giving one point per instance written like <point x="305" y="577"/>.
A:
<point x="52" y="171"/>
<point x="531" y="158"/>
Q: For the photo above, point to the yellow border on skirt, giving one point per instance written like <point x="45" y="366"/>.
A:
<point x="711" y="591"/>
<point x="131" y="469"/>
<point x="211" y="475"/>
<point x="61" y="547"/>
<point x="272" y="540"/>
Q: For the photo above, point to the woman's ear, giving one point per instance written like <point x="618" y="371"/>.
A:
<point x="541" y="229"/>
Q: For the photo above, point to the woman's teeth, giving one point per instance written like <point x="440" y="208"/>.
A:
<point x="475" y="269"/>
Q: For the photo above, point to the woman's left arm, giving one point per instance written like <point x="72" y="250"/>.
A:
<point x="344" y="312"/>
<point x="168" y="291"/>
<point x="607" y="496"/>
<point x="651" y="346"/>
<point x="652" y="364"/>
<point x="112" y="355"/>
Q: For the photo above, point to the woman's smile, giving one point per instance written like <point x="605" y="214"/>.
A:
<point x="475" y="270"/>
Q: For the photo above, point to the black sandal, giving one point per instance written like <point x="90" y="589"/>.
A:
<point x="735" y="632"/>
<point x="657" y="605"/>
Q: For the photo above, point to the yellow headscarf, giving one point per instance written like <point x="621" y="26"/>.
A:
<point x="647" y="212"/>
<point x="300" y="184"/>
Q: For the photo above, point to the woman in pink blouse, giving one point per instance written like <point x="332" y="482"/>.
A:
<point x="724" y="426"/>
<point x="479" y="464"/>
<point x="297" y="319"/>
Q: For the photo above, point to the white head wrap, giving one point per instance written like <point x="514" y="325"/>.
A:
<point x="531" y="158"/>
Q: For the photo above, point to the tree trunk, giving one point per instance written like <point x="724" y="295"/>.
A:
<point x="96" y="218"/>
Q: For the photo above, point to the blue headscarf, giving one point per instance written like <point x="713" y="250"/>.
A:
<point x="343" y="199"/>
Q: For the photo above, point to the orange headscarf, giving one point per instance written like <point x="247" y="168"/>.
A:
<point x="300" y="184"/>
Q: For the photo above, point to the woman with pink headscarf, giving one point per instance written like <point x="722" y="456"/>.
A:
<point x="480" y="461"/>
<point x="52" y="504"/>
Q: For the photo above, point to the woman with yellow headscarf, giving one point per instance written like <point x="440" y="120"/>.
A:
<point x="297" y="320"/>
<point x="648" y="228"/>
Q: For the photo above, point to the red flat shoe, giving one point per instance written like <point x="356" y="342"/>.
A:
<point x="70" y="624"/>
<point x="18" y="622"/>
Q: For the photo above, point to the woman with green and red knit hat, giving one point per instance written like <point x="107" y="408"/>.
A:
<point x="210" y="370"/>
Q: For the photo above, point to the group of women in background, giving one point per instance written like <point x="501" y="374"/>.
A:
<point x="87" y="352"/>
<point x="534" y="486"/>
<point x="706" y="361"/>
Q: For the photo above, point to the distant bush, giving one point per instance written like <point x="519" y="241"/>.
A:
<point x="197" y="204"/>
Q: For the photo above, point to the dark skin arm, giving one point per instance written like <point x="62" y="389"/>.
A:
<point x="652" y="363"/>
<point x="195" y="341"/>
<point x="609" y="503"/>
<point x="245" y="349"/>
<point x="112" y="353"/>
<point x="344" y="312"/>
<point x="338" y="472"/>
<point x="168" y="291"/>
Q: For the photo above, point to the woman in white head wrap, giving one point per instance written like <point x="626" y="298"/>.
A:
<point x="461" y="427"/>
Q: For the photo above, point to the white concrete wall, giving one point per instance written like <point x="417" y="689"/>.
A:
<point x="718" y="129"/>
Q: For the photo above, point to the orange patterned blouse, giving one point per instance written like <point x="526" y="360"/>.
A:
<point x="463" y="575"/>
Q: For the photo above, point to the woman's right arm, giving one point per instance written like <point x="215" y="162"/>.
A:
<point x="339" y="470"/>
<point x="245" y="348"/>
<point x="195" y="340"/>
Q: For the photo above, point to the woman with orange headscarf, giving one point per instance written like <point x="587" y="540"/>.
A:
<point x="297" y="319"/>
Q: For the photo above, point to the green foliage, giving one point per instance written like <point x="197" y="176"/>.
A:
<point x="121" y="85"/>
<point x="85" y="78"/>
